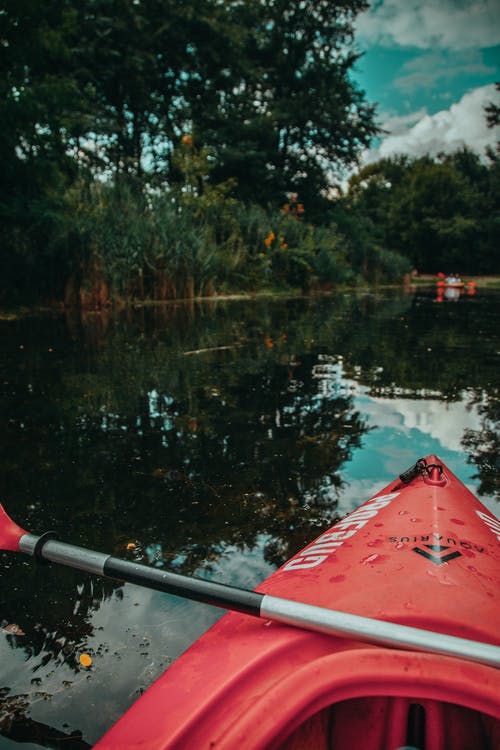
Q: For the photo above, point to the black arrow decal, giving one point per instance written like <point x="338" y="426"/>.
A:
<point x="438" y="558"/>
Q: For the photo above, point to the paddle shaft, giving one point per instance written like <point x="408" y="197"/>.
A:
<point x="273" y="608"/>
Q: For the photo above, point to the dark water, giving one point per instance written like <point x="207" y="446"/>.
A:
<point x="217" y="438"/>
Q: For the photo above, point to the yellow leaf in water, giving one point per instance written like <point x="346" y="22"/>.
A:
<point x="85" y="660"/>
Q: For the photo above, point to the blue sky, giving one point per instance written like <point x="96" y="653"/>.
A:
<point x="431" y="67"/>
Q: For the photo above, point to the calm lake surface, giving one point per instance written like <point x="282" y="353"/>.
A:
<point x="216" y="438"/>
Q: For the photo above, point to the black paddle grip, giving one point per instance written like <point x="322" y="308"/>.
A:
<point x="197" y="589"/>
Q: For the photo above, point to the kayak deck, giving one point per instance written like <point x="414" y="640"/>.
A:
<point x="424" y="554"/>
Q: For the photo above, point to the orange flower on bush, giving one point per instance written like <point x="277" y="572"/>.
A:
<point x="269" y="239"/>
<point x="187" y="139"/>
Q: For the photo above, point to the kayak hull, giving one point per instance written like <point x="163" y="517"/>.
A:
<point x="424" y="554"/>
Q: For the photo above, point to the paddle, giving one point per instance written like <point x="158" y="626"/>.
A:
<point x="307" y="616"/>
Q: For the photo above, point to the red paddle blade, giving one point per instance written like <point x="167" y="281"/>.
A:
<point x="10" y="532"/>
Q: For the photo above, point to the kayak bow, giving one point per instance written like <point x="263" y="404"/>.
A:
<point x="423" y="553"/>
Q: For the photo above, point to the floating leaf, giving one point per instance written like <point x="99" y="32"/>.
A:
<point x="13" y="629"/>
<point x="85" y="660"/>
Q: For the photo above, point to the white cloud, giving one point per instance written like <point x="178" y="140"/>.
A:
<point x="396" y="124"/>
<point x="430" y="423"/>
<point x="451" y="24"/>
<point x="463" y="124"/>
<point x="445" y="422"/>
<point x="425" y="70"/>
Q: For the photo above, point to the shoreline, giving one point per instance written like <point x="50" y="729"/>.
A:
<point x="422" y="280"/>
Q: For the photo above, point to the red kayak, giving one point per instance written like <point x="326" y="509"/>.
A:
<point x="424" y="552"/>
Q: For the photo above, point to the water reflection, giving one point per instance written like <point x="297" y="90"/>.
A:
<point x="214" y="438"/>
<point x="483" y="444"/>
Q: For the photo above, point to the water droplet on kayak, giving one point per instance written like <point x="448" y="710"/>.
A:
<point x="415" y="519"/>
<point x="443" y="579"/>
<point x="457" y="521"/>
<point x="403" y="513"/>
<point x="375" y="543"/>
<point x="373" y="559"/>
<point x="446" y="582"/>
<point x="337" y="579"/>
<point x="400" y="545"/>
<point x="468" y="553"/>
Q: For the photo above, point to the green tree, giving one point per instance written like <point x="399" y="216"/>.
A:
<point x="492" y="112"/>
<point x="293" y="113"/>
<point x="41" y="108"/>
<point x="104" y="92"/>
<point x="441" y="214"/>
<point x="133" y="64"/>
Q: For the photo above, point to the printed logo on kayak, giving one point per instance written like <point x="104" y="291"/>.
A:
<point x="329" y="542"/>
<point x="437" y="553"/>
<point x="440" y="550"/>
<point x="492" y="523"/>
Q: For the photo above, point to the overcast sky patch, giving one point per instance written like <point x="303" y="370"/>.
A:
<point x="450" y="24"/>
<point x="429" y="67"/>
<point x="463" y="124"/>
<point x="436" y="68"/>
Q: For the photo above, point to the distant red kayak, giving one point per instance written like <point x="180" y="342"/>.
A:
<point x="423" y="552"/>
<point x="451" y="285"/>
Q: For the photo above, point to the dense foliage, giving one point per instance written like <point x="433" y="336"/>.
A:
<point x="168" y="149"/>
<point x="442" y="214"/>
